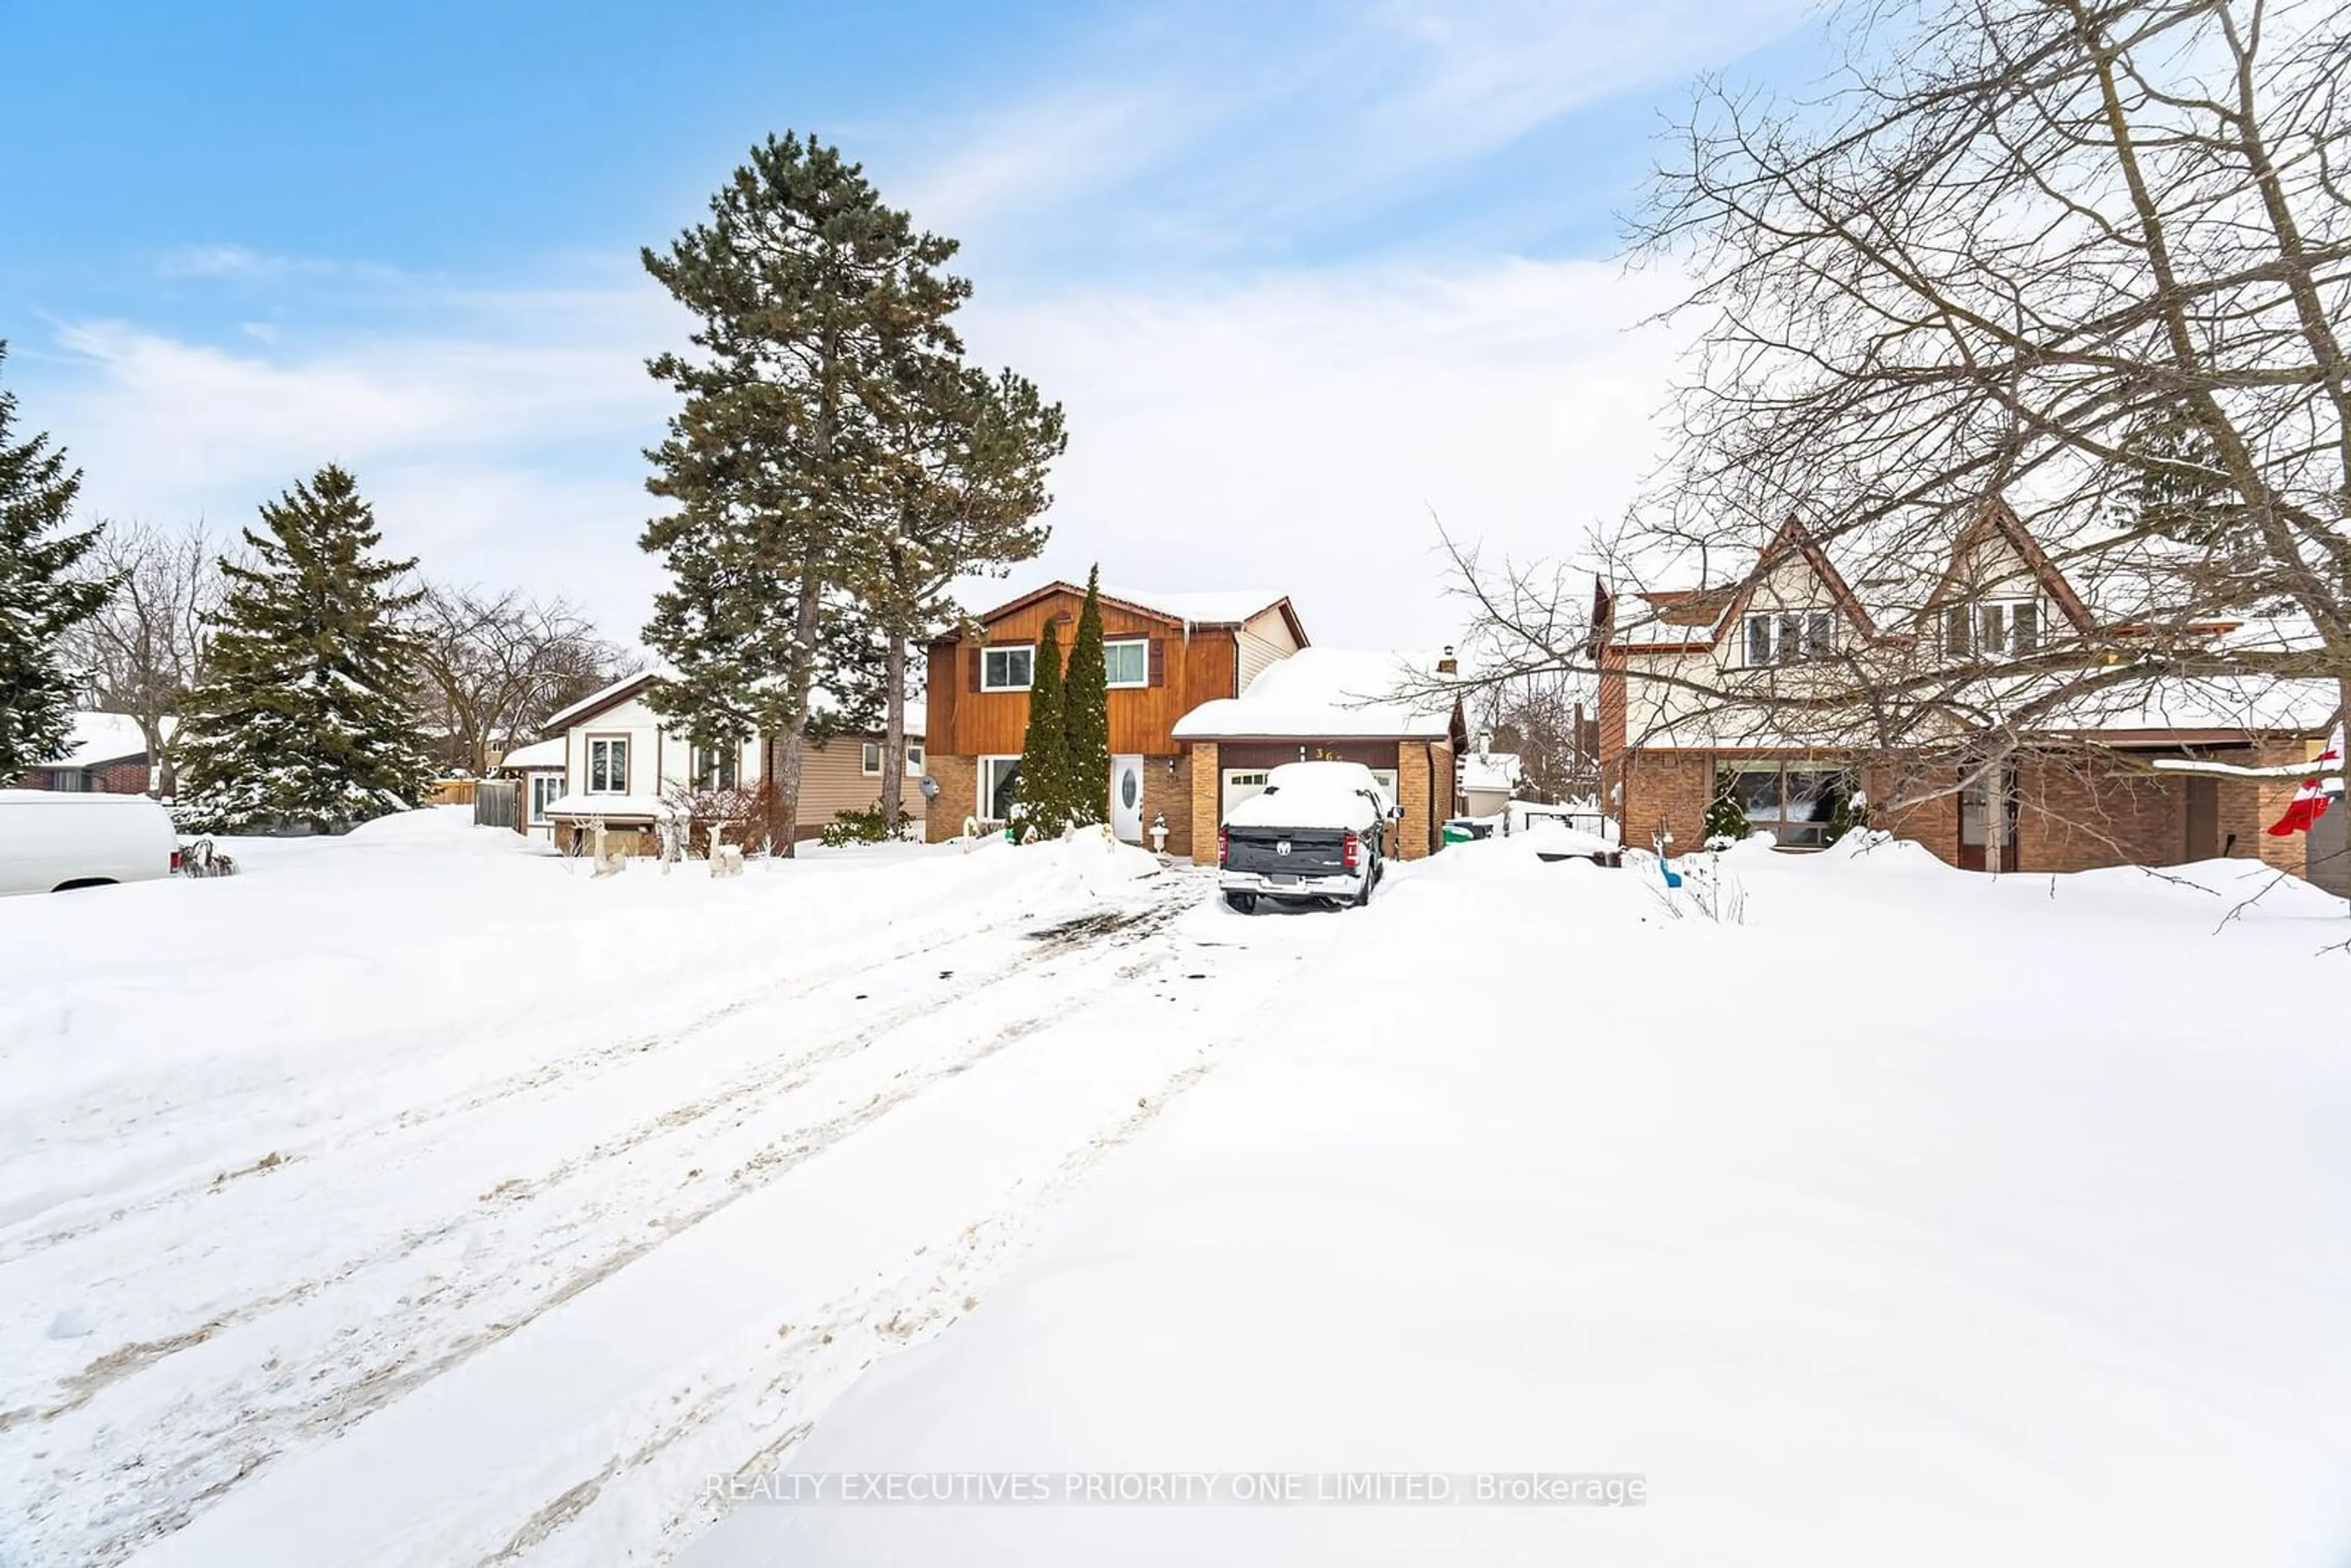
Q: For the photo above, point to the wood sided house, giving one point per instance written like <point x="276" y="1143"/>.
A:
<point x="1164" y="653"/>
<point x="618" y="759"/>
<point x="1207" y="693"/>
<point x="1678" y="722"/>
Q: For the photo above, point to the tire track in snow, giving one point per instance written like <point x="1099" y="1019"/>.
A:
<point x="624" y="1050"/>
<point x="226" y="1450"/>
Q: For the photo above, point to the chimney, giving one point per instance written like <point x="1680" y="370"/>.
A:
<point x="1448" y="664"/>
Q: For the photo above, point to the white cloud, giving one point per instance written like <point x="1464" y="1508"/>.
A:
<point x="500" y="441"/>
<point x="1296" y="431"/>
<point x="1301" y="431"/>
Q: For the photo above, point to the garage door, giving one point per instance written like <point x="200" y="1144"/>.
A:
<point x="1240" y="783"/>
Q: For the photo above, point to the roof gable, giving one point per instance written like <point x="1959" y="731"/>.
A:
<point x="1999" y="521"/>
<point x="1182" y="611"/>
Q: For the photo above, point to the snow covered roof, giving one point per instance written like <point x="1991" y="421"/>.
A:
<point x="612" y="808"/>
<point x="1490" y="770"/>
<point x="2189" y="704"/>
<point x="101" y="737"/>
<point x="1333" y="692"/>
<point x="538" y="754"/>
<point x="603" y="697"/>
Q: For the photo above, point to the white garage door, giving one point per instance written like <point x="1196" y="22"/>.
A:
<point x="1240" y="783"/>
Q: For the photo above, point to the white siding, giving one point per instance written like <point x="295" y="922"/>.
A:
<point x="658" y="759"/>
<point x="1264" y="638"/>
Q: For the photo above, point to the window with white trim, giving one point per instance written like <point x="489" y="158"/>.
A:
<point x="1127" y="662"/>
<point x="1790" y="636"/>
<point x="999" y="792"/>
<point x="714" y="767"/>
<point x="1009" y="668"/>
<point x="546" y="790"/>
<point x="914" y="759"/>
<point x="608" y="765"/>
<point x="1992" y="628"/>
<point x="869" y="761"/>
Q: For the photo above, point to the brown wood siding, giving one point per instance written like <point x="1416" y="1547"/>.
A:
<point x="967" y="722"/>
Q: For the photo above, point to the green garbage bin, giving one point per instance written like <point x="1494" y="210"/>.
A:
<point x="1456" y="833"/>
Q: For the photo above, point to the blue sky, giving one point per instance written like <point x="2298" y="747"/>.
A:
<point x="1302" y="274"/>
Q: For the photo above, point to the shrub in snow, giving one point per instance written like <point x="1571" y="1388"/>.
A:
<point x="866" y="827"/>
<point x="1725" y="818"/>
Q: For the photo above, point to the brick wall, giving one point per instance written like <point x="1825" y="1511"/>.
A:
<point x="1933" y="824"/>
<point x="958" y="779"/>
<point x="2076" y="813"/>
<point x="1169" y="796"/>
<point x="1667" y="791"/>
<point x="1413" y="784"/>
<point x="1207" y="807"/>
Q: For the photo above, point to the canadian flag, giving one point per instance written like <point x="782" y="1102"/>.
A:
<point x="2311" y="800"/>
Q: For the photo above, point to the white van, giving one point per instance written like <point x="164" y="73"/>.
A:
<point x="52" y="840"/>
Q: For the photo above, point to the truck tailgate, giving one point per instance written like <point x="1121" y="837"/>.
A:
<point x="1286" y="851"/>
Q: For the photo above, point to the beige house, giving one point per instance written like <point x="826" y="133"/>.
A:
<point x="620" y="764"/>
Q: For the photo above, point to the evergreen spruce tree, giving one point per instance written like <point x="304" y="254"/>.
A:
<point x="1044" y="787"/>
<point x="39" y="600"/>
<point x="303" y="719"/>
<point x="1085" y="700"/>
<point x="1726" y="814"/>
<point x="810" y="295"/>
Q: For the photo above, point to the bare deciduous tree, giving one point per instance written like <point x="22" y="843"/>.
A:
<point x="490" y="666"/>
<point x="2091" y="259"/>
<point x="145" y="649"/>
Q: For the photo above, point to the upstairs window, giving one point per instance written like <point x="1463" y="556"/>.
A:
<point x="1993" y="629"/>
<point x="608" y="765"/>
<point x="1127" y="663"/>
<point x="1008" y="668"/>
<point x="1790" y="636"/>
<point x="714" y="767"/>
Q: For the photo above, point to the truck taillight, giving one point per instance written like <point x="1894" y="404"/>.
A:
<point x="1224" y="845"/>
<point x="1354" y="847"/>
<point x="176" y="862"/>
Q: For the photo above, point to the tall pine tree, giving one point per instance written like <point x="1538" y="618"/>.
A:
<point x="39" y="598"/>
<point x="304" y="717"/>
<point x="1044" y="749"/>
<point x="965" y="462"/>
<point x="809" y="292"/>
<point x="1085" y="724"/>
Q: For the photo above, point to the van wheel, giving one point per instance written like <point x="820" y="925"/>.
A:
<point x="1242" y="903"/>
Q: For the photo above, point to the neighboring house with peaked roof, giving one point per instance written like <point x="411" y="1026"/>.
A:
<point x="619" y="761"/>
<point x="1761" y="688"/>
<point x="1166" y="654"/>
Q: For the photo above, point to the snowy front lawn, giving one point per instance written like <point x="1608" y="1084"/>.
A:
<point x="416" y="1199"/>
<point x="1924" y="1218"/>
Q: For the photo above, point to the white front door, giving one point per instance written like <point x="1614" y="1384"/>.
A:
<point x="1126" y="798"/>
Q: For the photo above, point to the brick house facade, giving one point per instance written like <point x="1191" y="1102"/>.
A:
<point x="1673" y="731"/>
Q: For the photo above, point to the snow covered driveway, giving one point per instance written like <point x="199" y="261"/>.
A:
<point x="418" y="1200"/>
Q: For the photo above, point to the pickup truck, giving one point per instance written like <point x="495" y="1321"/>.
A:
<point x="1312" y="835"/>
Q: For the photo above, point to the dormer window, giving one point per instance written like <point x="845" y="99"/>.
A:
<point x="1993" y="629"/>
<point x="1790" y="636"/>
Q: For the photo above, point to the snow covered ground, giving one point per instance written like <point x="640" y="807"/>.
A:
<point x="416" y="1199"/>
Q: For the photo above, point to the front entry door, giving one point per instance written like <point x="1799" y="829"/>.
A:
<point x="1126" y="798"/>
<point x="1975" y="825"/>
